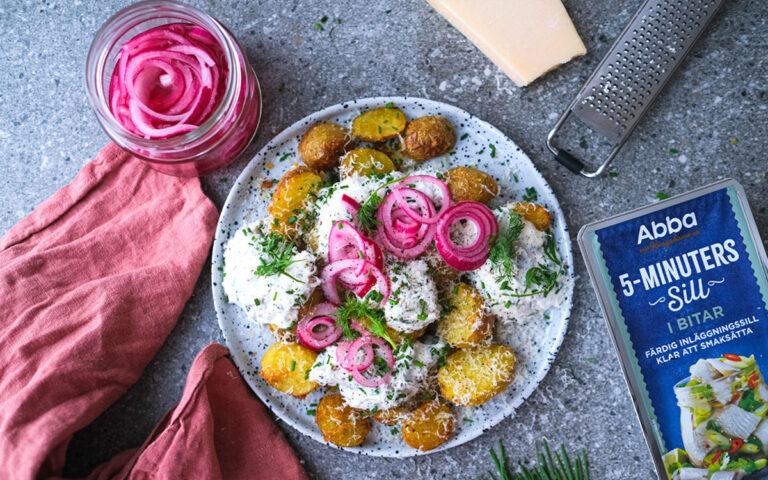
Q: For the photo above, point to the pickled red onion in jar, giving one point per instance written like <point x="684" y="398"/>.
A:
<point x="167" y="80"/>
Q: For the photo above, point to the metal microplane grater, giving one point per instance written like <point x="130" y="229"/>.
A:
<point x="634" y="71"/>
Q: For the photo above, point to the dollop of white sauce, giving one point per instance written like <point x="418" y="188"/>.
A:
<point x="411" y="374"/>
<point x="499" y="290"/>
<point x="329" y="208"/>
<point x="273" y="299"/>
<point x="413" y="302"/>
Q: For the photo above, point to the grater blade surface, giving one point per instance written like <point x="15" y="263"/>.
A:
<point x="639" y="64"/>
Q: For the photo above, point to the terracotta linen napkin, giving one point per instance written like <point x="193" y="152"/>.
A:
<point x="91" y="284"/>
<point x="217" y="431"/>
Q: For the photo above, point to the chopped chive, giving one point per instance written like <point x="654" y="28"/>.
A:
<point x="293" y="365"/>
<point x="464" y="137"/>
<point x="319" y="27"/>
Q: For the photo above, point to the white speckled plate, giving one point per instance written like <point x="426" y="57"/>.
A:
<point x="514" y="172"/>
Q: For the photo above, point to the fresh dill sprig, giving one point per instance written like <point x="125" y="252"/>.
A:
<point x="548" y="467"/>
<point x="367" y="212"/>
<point x="503" y="251"/>
<point x="354" y="308"/>
<point x="540" y="279"/>
<point x="543" y="277"/>
<point x="279" y="252"/>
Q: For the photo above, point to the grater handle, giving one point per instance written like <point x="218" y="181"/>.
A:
<point x="572" y="162"/>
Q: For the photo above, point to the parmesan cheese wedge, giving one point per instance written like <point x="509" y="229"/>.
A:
<point x="524" y="38"/>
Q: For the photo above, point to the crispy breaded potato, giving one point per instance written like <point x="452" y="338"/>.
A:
<point x="390" y="416"/>
<point x="428" y="137"/>
<point x="379" y="124"/>
<point x="365" y="161"/>
<point x="285" y="365"/>
<point x="473" y="376"/>
<point x="289" y="335"/>
<point x="290" y="197"/>
<point x="466" y="183"/>
<point x="466" y="324"/>
<point x="322" y="145"/>
<point x="429" y="426"/>
<point x="534" y="213"/>
<point x="341" y="424"/>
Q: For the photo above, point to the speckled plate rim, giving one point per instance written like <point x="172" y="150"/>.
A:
<point x="561" y="231"/>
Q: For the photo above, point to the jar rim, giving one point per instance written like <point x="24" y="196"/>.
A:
<point x="134" y="15"/>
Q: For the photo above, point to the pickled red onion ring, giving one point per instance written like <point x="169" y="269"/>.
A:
<point x="400" y="234"/>
<point x="168" y="80"/>
<point x="471" y="256"/>
<point x="333" y="271"/>
<point x="364" y="344"/>
<point x="346" y="242"/>
<point x="388" y="357"/>
<point x="445" y="201"/>
<point x="343" y="347"/>
<point x="322" y="314"/>
<point x="314" y="339"/>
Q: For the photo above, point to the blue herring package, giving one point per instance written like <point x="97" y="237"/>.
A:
<point x="683" y="285"/>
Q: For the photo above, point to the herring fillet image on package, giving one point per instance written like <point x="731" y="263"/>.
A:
<point x="684" y="289"/>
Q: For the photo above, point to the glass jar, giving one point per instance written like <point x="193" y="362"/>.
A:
<point x="215" y="142"/>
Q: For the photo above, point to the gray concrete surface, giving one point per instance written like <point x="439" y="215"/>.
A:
<point x="713" y="114"/>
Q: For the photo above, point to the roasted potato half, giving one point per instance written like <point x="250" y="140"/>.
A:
<point x="365" y="161"/>
<point x="473" y="376"/>
<point x="429" y="426"/>
<point x="290" y="197"/>
<point x="534" y="213"/>
<point x="322" y="145"/>
<point x="428" y="137"/>
<point x="285" y="365"/>
<point x="379" y="124"/>
<point x="466" y="324"/>
<point x="390" y="416"/>
<point x="341" y="424"/>
<point x="467" y="183"/>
